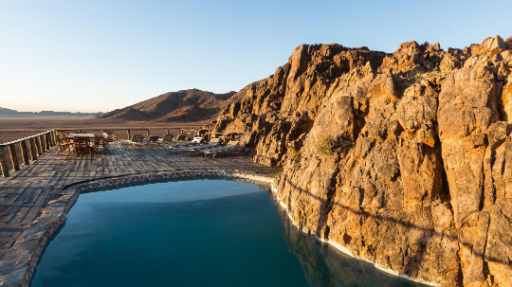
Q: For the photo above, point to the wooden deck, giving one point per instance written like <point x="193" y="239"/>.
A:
<point x="28" y="191"/>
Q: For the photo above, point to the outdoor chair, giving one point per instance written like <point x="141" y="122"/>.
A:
<point x="136" y="140"/>
<point x="100" y="141"/>
<point x="153" y="139"/>
<point x="82" y="145"/>
<point x="194" y="142"/>
<point x="230" y="146"/>
<point x="63" y="144"/>
<point x="109" y="136"/>
<point x="214" y="142"/>
<point x="167" y="139"/>
<point x="63" y="134"/>
<point x="180" y="138"/>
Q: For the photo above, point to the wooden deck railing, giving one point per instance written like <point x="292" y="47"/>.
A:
<point x="32" y="147"/>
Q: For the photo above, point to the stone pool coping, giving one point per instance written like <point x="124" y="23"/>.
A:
<point x="18" y="262"/>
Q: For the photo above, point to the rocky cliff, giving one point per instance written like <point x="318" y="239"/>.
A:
<point x="404" y="159"/>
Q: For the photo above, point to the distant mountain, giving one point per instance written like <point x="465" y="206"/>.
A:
<point x="4" y="111"/>
<point x="13" y="113"/>
<point x="182" y="106"/>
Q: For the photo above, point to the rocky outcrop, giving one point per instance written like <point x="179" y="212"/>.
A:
<point x="404" y="159"/>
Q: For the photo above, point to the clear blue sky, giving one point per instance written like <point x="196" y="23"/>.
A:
<point x="101" y="55"/>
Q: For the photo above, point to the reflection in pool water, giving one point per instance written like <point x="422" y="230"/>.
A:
<point x="192" y="233"/>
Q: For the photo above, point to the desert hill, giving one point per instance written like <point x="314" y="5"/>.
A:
<point x="182" y="106"/>
<point x="404" y="159"/>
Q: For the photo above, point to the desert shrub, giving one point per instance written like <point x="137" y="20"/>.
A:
<point x="433" y="73"/>
<point x="418" y="77"/>
<point x="327" y="145"/>
<point x="294" y="153"/>
<point x="296" y="166"/>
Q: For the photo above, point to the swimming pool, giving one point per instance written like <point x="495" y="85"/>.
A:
<point x="205" y="232"/>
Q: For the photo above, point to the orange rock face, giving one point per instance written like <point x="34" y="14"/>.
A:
<point x="404" y="159"/>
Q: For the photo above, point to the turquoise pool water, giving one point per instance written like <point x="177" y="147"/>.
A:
<point x="192" y="233"/>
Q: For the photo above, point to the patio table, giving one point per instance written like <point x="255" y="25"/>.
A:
<point x="83" y="149"/>
<point x="81" y="135"/>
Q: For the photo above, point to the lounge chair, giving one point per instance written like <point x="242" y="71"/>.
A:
<point x="167" y="139"/>
<point x="230" y="146"/>
<point x="213" y="143"/>
<point x="136" y="140"/>
<point x="194" y="142"/>
<point x="153" y="139"/>
<point x="180" y="138"/>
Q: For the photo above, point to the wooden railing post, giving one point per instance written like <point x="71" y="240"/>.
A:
<point x="24" y="153"/>
<point x="41" y="142"/>
<point x="148" y="133"/>
<point x="128" y="132"/>
<point x="54" y="138"/>
<point x="47" y="141"/>
<point x="37" y="140"/>
<point x="50" y="139"/>
<point x="33" y="148"/>
<point x="3" y="163"/>
<point x="14" y="157"/>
